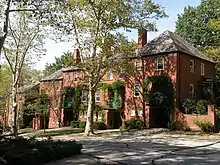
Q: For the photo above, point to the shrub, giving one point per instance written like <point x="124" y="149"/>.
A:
<point x="189" y="106"/>
<point x="82" y="124"/>
<point x="122" y="128"/>
<point x="205" y="126"/>
<point x="178" y="126"/>
<point x="99" y="125"/>
<point x="195" y="107"/>
<point x="201" y="107"/>
<point x="25" y="152"/>
<point x="134" y="124"/>
<point x="74" y="124"/>
<point x="78" y="124"/>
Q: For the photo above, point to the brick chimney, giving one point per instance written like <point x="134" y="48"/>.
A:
<point x="76" y="56"/>
<point x="142" y="38"/>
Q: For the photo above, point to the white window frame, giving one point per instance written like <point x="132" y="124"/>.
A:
<point x="97" y="95"/>
<point x="110" y="75"/>
<point x="192" y="92"/>
<point x="84" y="95"/>
<point x="192" y="67"/>
<point x="134" y="90"/>
<point x="67" y="77"/>
<point x="137" y="66"/>
<point x="157" y="61"/>
<point x="75" y="76"/>
<point x="140" y="112"/>
<point x="202" y="69"/>
<point x="132" y="113"/>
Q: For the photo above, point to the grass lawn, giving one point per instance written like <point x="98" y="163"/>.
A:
<point x="56" y="132"/>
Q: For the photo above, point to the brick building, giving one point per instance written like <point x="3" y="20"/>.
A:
<point x="167" y="54"/>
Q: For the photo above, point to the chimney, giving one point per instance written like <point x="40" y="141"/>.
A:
<point x="76" y="56"/>
<point x="142" y="38"/>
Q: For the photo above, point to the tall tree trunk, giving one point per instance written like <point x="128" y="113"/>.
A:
<point x="91" y="103"/>
<point x="14" y="110"/>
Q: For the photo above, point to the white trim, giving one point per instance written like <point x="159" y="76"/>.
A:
<point x="84" y="93"/>
<point x="75" y="76"/>
<point x="157" y="61"/>
<point x="98" y="91"/>
<point x="132" y="113"/>
<point x="192" y="68"/>
<point x="109" y="75"/>
<point x="137" y="68"/>
<point x="134" y="88"/>
<point x="202" y="69"/>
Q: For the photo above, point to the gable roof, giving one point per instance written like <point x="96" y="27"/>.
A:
<point x="71" y="68"/>
<point x="169" y="42"/>
<point x="58" y="75"/>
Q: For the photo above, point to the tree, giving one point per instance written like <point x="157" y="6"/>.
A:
<point x="24" y="42"/>
<point x="64" y="61"/>
<point x="5" y="89"/>
<point x="41" y="107"/>
<point x="201" y="26"/>
<point x="94" y="25"/>
<point x="194" y="24"/>
<point x="9" y="7"/>
<point x="29" y="75"/>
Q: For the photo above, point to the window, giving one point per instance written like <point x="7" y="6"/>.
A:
<point x="97" y="96"/>
<point x="140" y="112"/>
<point x="67" y="76"/>
<point x="136" y="90"/>
<point x="191" y="90"/>
<point x="191" y="66"/>
<point x="75" y="76"/>
<point x="57" y="85"/>
<point x="132" y="113"/>
<point x="160" y="63"/>
<point x="110" y="75"/>
<point x="137" y="66"/>
<point x="202" y="69"/>
<point x="84" y="96"/>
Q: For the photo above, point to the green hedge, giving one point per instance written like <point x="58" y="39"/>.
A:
<point x="25" y="152"/>
<point x="99" y="125"/>
<point x="78" y="124"/>
<point x="134" y="124"/>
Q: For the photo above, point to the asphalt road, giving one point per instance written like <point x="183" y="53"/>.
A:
<point x="138" y="149"/>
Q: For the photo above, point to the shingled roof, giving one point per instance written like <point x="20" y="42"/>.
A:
<point x="169" y="42"/>
<point x="58" y="75"/>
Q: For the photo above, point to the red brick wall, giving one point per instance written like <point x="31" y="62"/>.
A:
<point x="187" y="120"/>
<point x="37" y="123"/>
<point x="186" y="77"/>
<point x="149" y="68"/>
<point x="53" y="89"/>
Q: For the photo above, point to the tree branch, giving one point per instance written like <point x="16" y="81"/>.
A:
<point x="21" y="10"/>
<point x="7" y="58"/>
<point x="24" y="55"/>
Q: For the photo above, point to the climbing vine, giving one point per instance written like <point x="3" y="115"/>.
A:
<point x="71" y="98"/>
<point x="161" y="93"/>
<point x="116" y="96"/>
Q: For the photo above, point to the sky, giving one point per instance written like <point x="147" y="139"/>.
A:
<point x="171" y="7"/>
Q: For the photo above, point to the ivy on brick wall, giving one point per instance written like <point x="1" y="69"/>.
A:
<point x="71" y="99"/>
<point x="116" y="94"/>
<point x="158" y="91"/>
